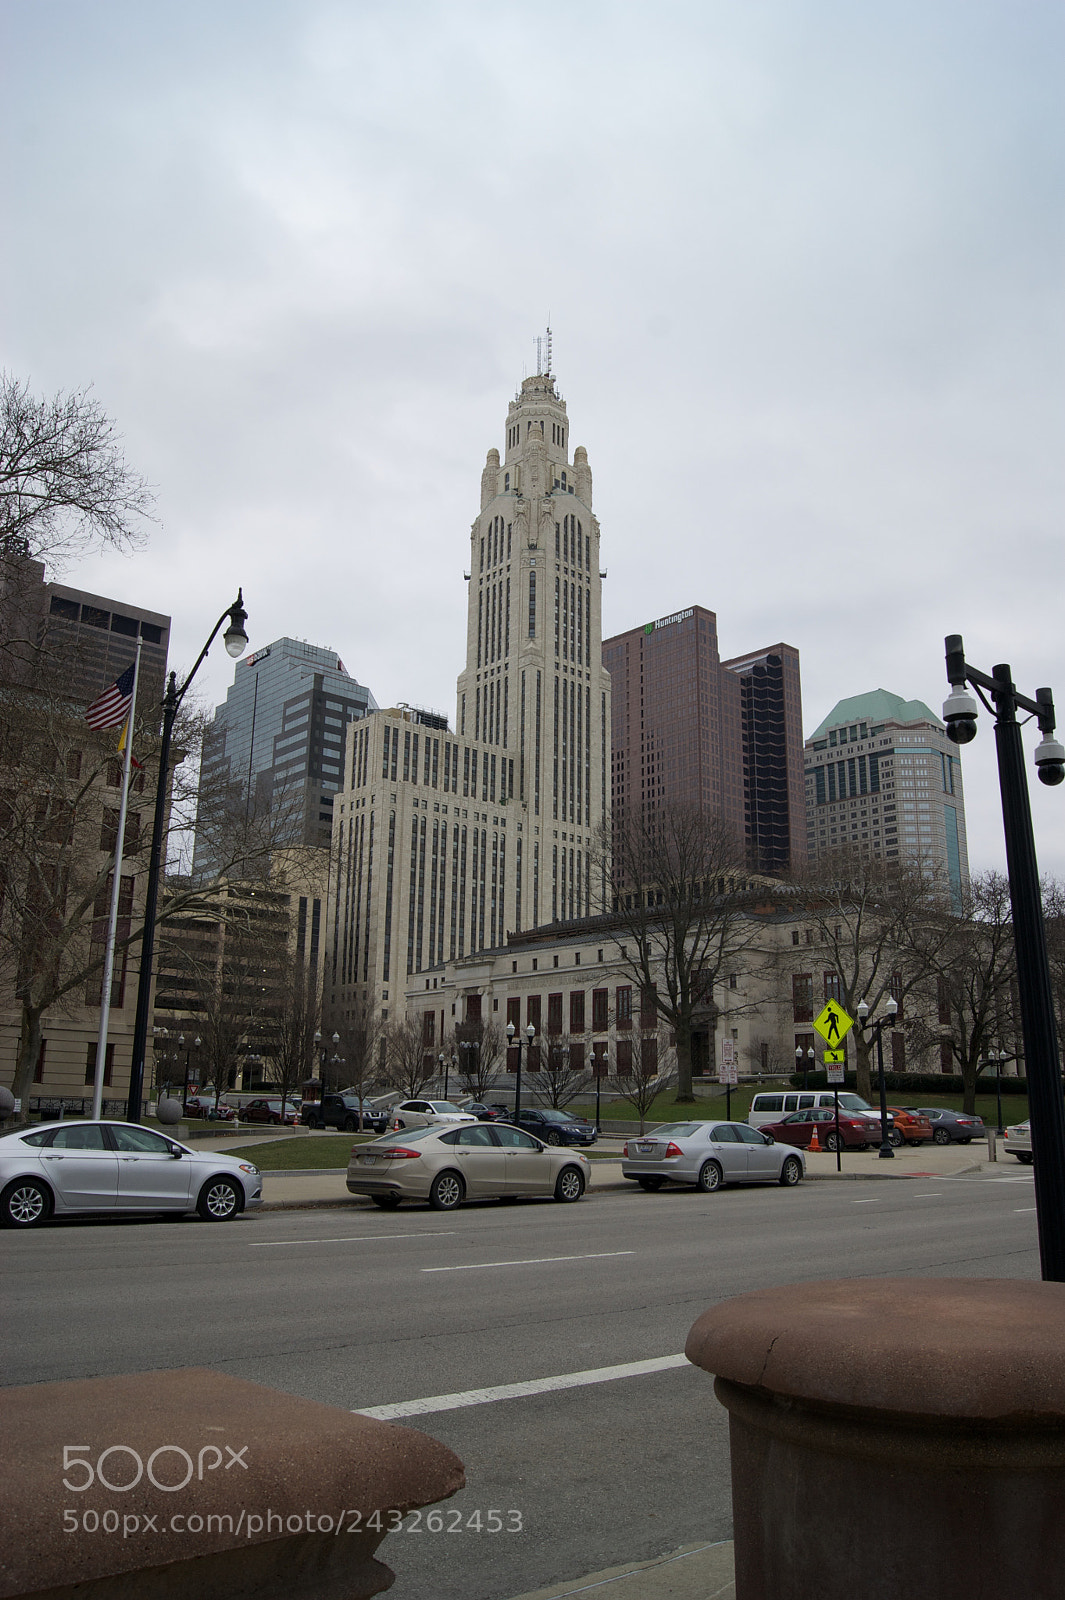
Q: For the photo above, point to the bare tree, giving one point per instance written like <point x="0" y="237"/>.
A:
<point x="648" y="1075"/>
<point x="970" y="968"/>
<point x="560" y="1074"/>
<point x="479" y="1047"/>
<point x="65" y="487"/>
<point x="682" y="896"/>
<point x="865" y="914"/>
<point x="411" y="1062"/>
<point x="361" y="1035"/>
<point x="292" y="1025"/>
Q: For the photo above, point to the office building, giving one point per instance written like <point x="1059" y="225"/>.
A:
<point x="882" y="778"/>
<point x="688" y="728"/>
<point x="79" y="643"/>
<point x="277" y="744"/>
<point x="445" y="842"/>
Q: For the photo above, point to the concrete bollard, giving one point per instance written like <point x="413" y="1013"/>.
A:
<point x="992" y="1145"/>
<point x="894" y="1437"/>
<point x="166" y="1485"/>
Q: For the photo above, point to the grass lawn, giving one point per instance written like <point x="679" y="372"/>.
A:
<point x="294" y="1155"/>
<point x="711" y="1104"/>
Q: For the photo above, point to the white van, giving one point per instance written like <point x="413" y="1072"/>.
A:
<point x="771" y="1107"/>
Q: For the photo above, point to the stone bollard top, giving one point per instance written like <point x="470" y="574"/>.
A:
<point x="986" y="1349"/>
<point x="111" y="1476"/>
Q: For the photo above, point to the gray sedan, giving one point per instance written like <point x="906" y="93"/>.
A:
<point x="476" y="1161"/>
<point x="116" y="1168"/>
<point x="709" y="1154"/>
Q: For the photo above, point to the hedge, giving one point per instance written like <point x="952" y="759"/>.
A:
<point x="930" y="1083"/>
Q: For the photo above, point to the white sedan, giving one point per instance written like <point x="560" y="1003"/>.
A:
<point x="708" y="1155"/>
<point x="1018" y="1141"/>
<point x="424" y="1113"/>
<point x="115" y="1168"/>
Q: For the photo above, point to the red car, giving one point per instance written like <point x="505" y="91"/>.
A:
<point x="857" y="1130"/>
<point x="206" y="1108"/>
<point x="910" y="1127"/>
<point x="269" y="1111"/>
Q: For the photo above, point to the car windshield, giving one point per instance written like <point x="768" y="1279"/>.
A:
<point x="442" y="1105"/>
<point x="675" y="1130"/>
<point x="854" y="1102"/>
<point x="558" y="1116"/>
<point x="405" y="1136"/>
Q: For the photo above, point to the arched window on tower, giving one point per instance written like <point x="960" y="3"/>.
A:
<point x="563" y="482"/>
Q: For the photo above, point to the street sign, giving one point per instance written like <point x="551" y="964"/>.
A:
<point x="835" y="1073"/>
<point x="728" y="1071"/>
<point x="835" y="1058"/>
<point x="834" y="1024"/>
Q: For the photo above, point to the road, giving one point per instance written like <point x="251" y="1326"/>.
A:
<point x="362" y="1309"/>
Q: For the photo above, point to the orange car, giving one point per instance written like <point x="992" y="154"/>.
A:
<point x="910" y="1127"/>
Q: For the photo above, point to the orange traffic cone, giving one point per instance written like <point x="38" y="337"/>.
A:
<point x="815" y="1143"/>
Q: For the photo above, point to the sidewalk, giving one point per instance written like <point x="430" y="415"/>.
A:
<point x="695" y="1572"/>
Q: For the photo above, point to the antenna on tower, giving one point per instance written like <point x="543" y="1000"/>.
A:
<point x="539" y="355"/>
<point x="549" y="346"/>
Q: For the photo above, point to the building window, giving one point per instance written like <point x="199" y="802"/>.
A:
<point x="600" y="1010"/>
<point x="532" y="1011"/>
<point x="802" y="996"/>
<point x="623" y="1057"/>
<point x="554" y="1013"/>
<point x="90" y="1064"/>
<point x="623" y="1005"/>
<point x="576" y="1011"/>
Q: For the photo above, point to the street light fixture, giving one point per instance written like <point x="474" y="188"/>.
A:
<point x="805" y="1059"/>
<point x="445" y="1066"/>
<point x="530" y="1035"/>
<point x="886" y="1153"/>
<point x="236" y="642"/>
<point x="1029" y="933"/>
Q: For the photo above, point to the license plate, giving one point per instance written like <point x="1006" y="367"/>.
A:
<point x="647" y="1148"/>
<point x="369" y="1160"/>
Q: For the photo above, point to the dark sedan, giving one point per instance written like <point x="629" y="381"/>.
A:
<point x="556" y="1127"/>
<point x="495" y="1112"/>
<point x="953" y="1127"/>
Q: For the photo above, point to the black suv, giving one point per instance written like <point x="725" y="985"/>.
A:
<point x="342" y="1111"/>
<point x="556" y="1127"/>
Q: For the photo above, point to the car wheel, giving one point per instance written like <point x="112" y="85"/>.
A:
<point x="834" y="1142"/>
<point x="446" y="1191"/>
<point x="791" y="1172"/>
<point x="941" y="1136"/>
<point x="554" y="1137"/>
<point x="219" y="1200"/>
<point x="25" y="1204"/>
<point x="1026" y="1159"/>
<point x="387" y="1202"/>
<point x="350" y="1124"/>
<point x="650" y="1184"/>
<point x="569" y="1185"/>
<point x="709" y="1177"/>
<point x="896" y="1138"/>
<point x="314" y="1122"/>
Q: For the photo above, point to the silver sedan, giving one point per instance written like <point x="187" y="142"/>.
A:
<point x="116" y="1168"/>
<point x="709" y="1154"/>
<point x="478" y="1161"/>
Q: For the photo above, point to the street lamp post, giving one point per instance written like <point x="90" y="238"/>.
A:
<point x="886" y="1153"/>
<point x="1038" y="1028"/>
<point x="530" y="1035"/>
<point x="444" y="1064"/>
<point x="236" y="642"/>
<point x="806" y="1059"/>
<point x="468" y="1045"/>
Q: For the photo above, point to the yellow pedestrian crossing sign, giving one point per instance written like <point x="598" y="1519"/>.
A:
<point x="834" y="1024"/>
<point x="834" y="1058"/>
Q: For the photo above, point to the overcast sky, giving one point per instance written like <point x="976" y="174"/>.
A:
<point x="802" y="258"/>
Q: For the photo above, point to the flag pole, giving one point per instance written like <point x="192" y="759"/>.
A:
<point x="112" y="926"/>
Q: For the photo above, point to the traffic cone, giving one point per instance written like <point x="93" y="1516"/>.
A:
<point x="815" y="1143"/>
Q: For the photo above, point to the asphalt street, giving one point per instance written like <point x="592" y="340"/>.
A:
<point x="369" y="1310"/>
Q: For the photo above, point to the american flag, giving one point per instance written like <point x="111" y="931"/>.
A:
<point x="112" y="707"/>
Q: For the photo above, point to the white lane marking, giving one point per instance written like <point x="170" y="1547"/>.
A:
<point x="651" y="1566"/>
<point x="872" y="1202"/>
<point x="517" y="1391"/>
<point x="928" y="1194"/>
<point x="1016" y="1209"/>
<point x="528" y="1261"/>
<point x="355" y="1238"/>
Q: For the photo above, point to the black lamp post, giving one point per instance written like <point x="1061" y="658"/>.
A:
<point x="1038" y="1029"/>
<point x="530" y="1035"/>
<point x="236" y="642"/>
<point x="444" y="1064"/>
<point x="806" y="1059"/>
<point x="468" y="1045"/>
<point x="886" y="1153"/>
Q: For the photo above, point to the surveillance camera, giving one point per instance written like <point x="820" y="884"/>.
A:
<point x="1050" y="761"/>
<point x="959" y="714"/>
